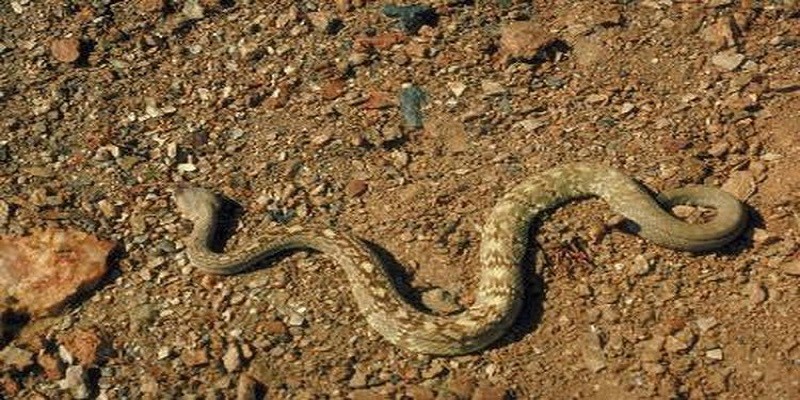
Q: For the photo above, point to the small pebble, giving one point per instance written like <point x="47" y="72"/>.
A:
<point x="192" y="10"/>
<point x="358" y="380"/>
<point x="791" y="268"/>
<point x="714" y="354"/>
<point x="66" y="50"/>
<point x="728" y="60"/>
<point x="75" y="381"/>
<point x="719" y="149"/>
<point x="355" y="188"/>
<point x="16" y="357"/>
<point x="187" y="167"/>
<point x="492" y="88"/>
<point x="457" y="88"/>
<point x="706" y="324"/>
<point x="232" y="360"/>
<point x="763" y="237"/>
<point x="151" y="5"/>
<point x="627" y="108"/>
<point x="596" y="98"/>
<point x="756" y="294"/>
<point x="246" y="388"/>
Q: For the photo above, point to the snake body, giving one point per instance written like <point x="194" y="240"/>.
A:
<point x="504" y="239"/>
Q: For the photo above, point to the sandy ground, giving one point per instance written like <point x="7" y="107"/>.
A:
<point x="292" y="109"/>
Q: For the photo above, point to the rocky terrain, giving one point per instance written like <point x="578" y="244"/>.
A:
<point x="404" y="124"/>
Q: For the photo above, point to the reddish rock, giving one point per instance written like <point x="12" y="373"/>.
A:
<point x="66" y="50"/>
<point x="9" y="386"/>
<point x="381" y="41"/>
<point x="276" y="328"/>
<point x="356" y="187"/>
<point x="333" y="89"/>
<point x="84" y="345"/>
<point x="52" y="366"/>
<point x="523" y="39"/>
<point x="378" y="100"/>
<point x="42" y="270"/>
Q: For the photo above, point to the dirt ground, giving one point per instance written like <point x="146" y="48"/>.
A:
<point x="292" y="109"/>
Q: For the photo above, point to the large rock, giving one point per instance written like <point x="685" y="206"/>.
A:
<point x="38" y="273"/>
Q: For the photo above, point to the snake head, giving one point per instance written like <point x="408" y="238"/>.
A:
<point x="196" y="204"/>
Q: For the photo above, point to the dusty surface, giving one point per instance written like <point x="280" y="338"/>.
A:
<point x="104" y="108"/>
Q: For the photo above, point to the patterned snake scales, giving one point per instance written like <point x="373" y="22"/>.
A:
<point x="500" y="290"/>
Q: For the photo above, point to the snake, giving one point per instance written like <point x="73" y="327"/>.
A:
<point x="504" y="241"/>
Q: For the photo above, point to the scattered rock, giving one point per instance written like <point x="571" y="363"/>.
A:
<point x="193" y="10"/>
<point x="84" y="345"/>
<point x="333" y="89"/>
<point x="324" y="22"/>
<point x="719" y="149"/>
<point x="763" y="237"/>
<point x="52" y="366"/>
<point x="532" y="124"/>
<point x="675" y="345"/>
<point x="276" y="327"/>
<point x="488" y="392"/>
<point x="706" y="324"/>
<point x="756" y="294"/>
<point x="148" y="385"/>
<point x="355" y="188"/>
<point x="592" y="350"/>
<point x="680" y="341"/>
<point x="43" y="270"/>
<point x="75" y="381"/>
<point x="714" y="354"/>
<point x="151" y="6"/>
<point x="194" y="357"/>
<point x="791" y="267"/>
<point x="377" y="101"/>
<point x="232" y="360"/>
<point x="650" y="350"/>
<point x="721" y="34"/>
<point x="596" y="98"/>
<point x="15" y="357"/>
<point x="8" y="385"/>
<point x="462" y="387"/>
<point x="492" y="88"/>
<point x="728" y="60"/>
<point x="420" y="392"/>
<point x="627" y="108"/>
<point x="66" y="50"/>
<point x="412" y="99"/>
<point x="5" y="213"/>
<point x="641" y="265"/>
<point x="247" y="388"/>
<point x="457" y="88"/>
<point x="741" y="184"/>
<point x="522" y="40"/>
<point x="358" y="380"/>
<point x="411" y="17"/>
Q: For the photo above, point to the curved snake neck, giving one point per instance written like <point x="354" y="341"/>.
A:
<point x="503" y="243"/>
